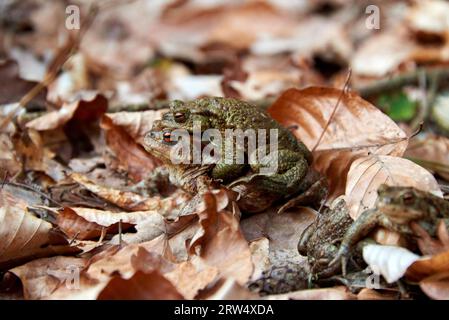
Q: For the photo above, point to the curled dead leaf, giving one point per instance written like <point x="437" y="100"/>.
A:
<point x="136" y="124"/>
<point x="436" y="286"/>
<point x="88" y="108"/>
<point x="131" y="156"/>
<point x="13" y="87"/>
<point x="219" y="240"/>
<point x="431" y="152"/>
<point x="129" y="200"/>
<point x="43" y="276"/>
<point x="141" y="286"/>
<point x="24" y="236"/>
<point x="357" y="129"/>
<point x="368" y="173"/>
<point x="428" y="266"/>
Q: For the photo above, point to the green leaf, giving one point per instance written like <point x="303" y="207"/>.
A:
<point x="398" y="106"/>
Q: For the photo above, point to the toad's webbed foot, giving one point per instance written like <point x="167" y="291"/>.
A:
<point x="361" y="227"/>
<point x="340" y="260"/>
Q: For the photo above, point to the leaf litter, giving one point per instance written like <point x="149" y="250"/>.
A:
<point x="75" y="226"/>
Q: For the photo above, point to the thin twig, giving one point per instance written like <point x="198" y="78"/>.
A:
<point x="61" y="58"/>
<point x="401" y="80"/>
<point x="74" y="238"/>
<point x="329" y="121"/>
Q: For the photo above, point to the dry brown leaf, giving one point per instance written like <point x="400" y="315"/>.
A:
<point x="260" y="251"/>
<point x="371" y="294"/>
<point x="219" y="240"/>
<point x="89" y="107"/>
<point x="436" y="286"/>
<point x="335" y="293"/>
<point x="357" y="129"/>
<point x="76" y="227"/>
<point x="136" y="124"/>
<point x="236" y="26"/>
<point x="13" y="87"/>
<point x="24" y="236"/>
<point x="141" y="286"/>
<point x="84" y="223"/>
<point x="227" y="289"/>
<point x="118" y="39"/>
<point x="434" y="150"/>
<point x="131" y="156"/>
<point x="368" y="173"/>
<point x="129" y="200"/>
<point x="383" y="53"/>
<point x="428" y="266"/>
<point x="9" y="161"/>
<point x="429" y="17"/>
<point x="41" y="277"/>
<point x="118" y="266"/>
<point x="283" y="231"/>
<point x="192" y="276"/>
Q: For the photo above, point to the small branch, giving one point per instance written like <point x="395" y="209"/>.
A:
<point x="61" y="58"/>
<point x="401" y="80"/>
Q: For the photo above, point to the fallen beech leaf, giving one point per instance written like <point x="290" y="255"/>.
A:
<point x="235" y="26"/>
<point x="227" y="289"/>
<point x="136" y="124"/>
<point x="370" y="294"/>
<point x="431" y="152"/>
<point x="131" y="156"/>
<point x="76" y="227"/>
<point x="192" y="276"/>
<point x="24" y="236"/>
<point x="389" y="261"/>
<point x="118" y="38"/>
<point x="88" y="108"/>
<point x="283" y="232"/>
<point x="368" y="173"/>
<point x="436" y="286"/>
<point x="228" y="250"/>
<point x="129" y="200"/>
<point x="428" y="266"/>
<point x="219" y="241"/>
<point x="335" y="293"/>
<point x="260" y="257"/>
<point x="383" y="53"/>
<point x="357" y="129"/>
<point x="190" y="87"/>
<point x="9" y="161"/>
<point x="141" y="286"/>
<point x="429" y="17"/>
<point x="13" y="87"/>
<point x="41" y="277"/>
<point x="84" y="223"/>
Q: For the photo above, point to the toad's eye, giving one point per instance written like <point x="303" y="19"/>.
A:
<point x="167" y="137"/>
<point x="180" y="117"/>
<point x="408" y="198"/>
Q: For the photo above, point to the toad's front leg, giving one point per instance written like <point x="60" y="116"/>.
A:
<point x="361" y="227"/>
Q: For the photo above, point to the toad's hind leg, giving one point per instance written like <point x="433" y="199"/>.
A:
<point x="280" y="172"/>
